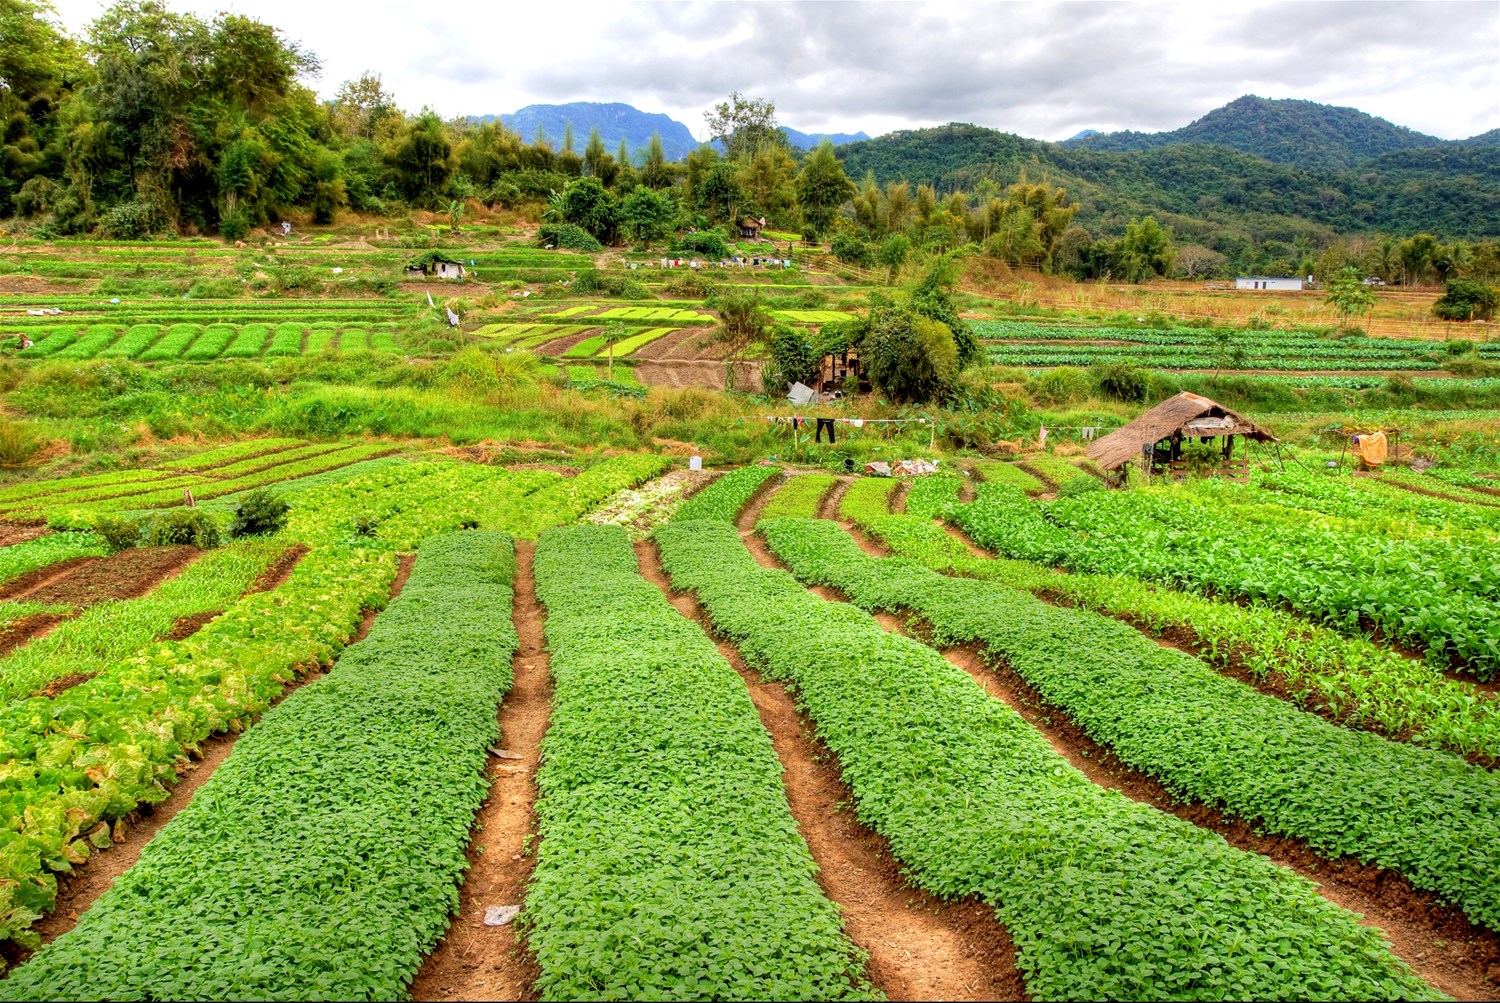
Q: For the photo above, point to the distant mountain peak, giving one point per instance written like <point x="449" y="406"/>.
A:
<point x="1083" y="134"/>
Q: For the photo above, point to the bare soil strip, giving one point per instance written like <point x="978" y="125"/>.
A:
<point x="16" y="532"/>
<point x="474" y="961"/>
<point x="828" y="508"/>
<point x="1437" y="941"/>
<point x="77" y="891"/>
<point x="281" y="569"/>
<point x="127" y="575"/>
<point x="919" y="947"/>
<point x="897" y="500"/>
<point x="23" y="585"/>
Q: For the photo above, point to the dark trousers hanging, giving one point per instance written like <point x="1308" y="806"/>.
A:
<point x="822" y="424"/>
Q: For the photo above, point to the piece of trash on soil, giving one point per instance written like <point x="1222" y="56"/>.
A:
<point x="500" y="915"/>
<point x="506" y="754"/>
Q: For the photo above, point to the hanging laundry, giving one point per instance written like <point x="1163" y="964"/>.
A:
<point x="822" y="424"/>
<point x="1041" y="437"/>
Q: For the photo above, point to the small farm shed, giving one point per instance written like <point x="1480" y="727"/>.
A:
<point x="836" y="367"/>
<point x="750" y="227"/>
<point x="1154" y="440"/>
<point x="434" y="266"/>
<point x="1268" y="282"/>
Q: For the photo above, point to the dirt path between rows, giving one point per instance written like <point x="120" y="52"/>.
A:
<point x="474" y="961"/>
<point x="919" y="947"/>
<point x="79" y="890"/>
<point x="1437" y="941"/>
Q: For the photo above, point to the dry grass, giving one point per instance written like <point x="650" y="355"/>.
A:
<point x="1399" y="313"/>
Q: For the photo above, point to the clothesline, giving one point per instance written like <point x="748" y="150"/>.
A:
<point x="856" y="422"/>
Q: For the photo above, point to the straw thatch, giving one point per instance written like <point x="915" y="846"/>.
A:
<point x="1187" y="414"/>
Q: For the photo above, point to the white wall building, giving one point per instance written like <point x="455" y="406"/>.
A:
<point x="1268" y="282"/>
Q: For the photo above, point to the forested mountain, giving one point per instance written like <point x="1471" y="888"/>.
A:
<point x="808" y="140"/>
<point x="1301" y="133"/>
<point x="1449" y="189"/>
<point x="614" y="121"/>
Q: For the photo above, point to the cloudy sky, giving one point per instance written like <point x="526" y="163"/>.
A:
<point x="1044" y="70"/>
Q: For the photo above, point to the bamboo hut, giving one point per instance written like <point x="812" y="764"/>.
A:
<point x="1154" y="440"/>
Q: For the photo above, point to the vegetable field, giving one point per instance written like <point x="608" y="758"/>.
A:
<point x="421" y="725"/>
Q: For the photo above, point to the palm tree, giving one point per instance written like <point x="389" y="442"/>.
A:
<point x="613" y="333"/>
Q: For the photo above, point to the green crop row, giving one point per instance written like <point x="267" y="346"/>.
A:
<point x="102" y="748"/>
<point x="395" y="507"/>
<point x="723" y="499"/>
<point x="1441" y="595"/>
<point x="1359" y="683"/>
<point x="1055" y="469"/>
<point x="1008" y="473"/>
<point x="112" y="631"/>
<point x="1422" y="813"/>
<point x="19" y="558"/>
<point x="242" y="450"/>
<point x="34" y="489"/>
<point x="798" y="497"/>
<point x="565" y="500"/>
<point x="280" y="881"/>
<point x="679" y="872"/>
<point x="1104" y="898"/>
<point x="1361" y="499"/>
<point x="210" y="487"/>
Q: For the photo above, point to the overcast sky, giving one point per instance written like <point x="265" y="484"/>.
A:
<point x="1044" y="70"/>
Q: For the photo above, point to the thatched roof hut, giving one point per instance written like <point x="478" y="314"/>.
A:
<point x="1160" y="432"/>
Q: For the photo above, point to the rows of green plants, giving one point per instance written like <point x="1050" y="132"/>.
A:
<point x="722" y="500"/>
<point x="1422" y="813"/>
<point x="1009" y="473"/>
<point x="1167" y="357"/>
<point x="118" y="629"/>
<point x="90" y="756"/>
<point x="1467" y="489"/>
<point x="394" y="507"/>
<point x="70" y="508"/>
<point x="1104" y="897"/>
<point x="1360" y="684"/>
<point x="565" y="500"/>
<point x="235" y="451"/>
<point x="678" y="871"/>
<point x="28" y="555"/>
<point x="1440" y="595"/>
<point x="1360" y="498"/>
<point x="281" y="881"/>
<point x="1055" y="469"/>
<point x="1200" y="337"/>
<point x="798" y="497"/>
<point x="191" y="342"/>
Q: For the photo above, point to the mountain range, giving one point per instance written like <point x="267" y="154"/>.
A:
<point x="1256" y="169"/>
<point x="621" y="121"/>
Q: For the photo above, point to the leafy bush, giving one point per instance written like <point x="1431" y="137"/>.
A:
<point x="119" y="533"/>
<point x="569" y="235"/>
<point x="181" y="526"/>
<point x="709" y="243"/>
<point x="18" y="443"/>
<point x="133" y="220"/>
<point x="1120" y="381"/>
<point x="1063" y="385"/>
<point x="1080" y="485"/>
<point x="1466" y="299"/>
<point x="590" y="283"/>
<point x="259" y="513"/>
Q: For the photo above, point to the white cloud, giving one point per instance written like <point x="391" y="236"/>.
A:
<point x="1042" y="70"/>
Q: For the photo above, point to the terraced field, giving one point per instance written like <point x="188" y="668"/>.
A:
<point x="1148" y="821"/>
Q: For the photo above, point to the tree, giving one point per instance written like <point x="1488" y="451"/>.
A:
<point x="911" y="358"/>
<point x="1465" y="299"/>
<point x="795" y="358"/>
<point x="743" y="323"/>
<point x="656" y="173"/>
<point x="363" y="106"/>
<point x="586" y="203"/>
<point x="612" y="334"/>
<point x="1145" y="251"/>
<point x="719" y="195"/>
<point x="1349" y="295"/>
<point x="822" y="188"/>
<point x="647" y="216"/>
<point x="423" y="157"/>
<point x="893" y="254"/>
<point x="745" y="126"/>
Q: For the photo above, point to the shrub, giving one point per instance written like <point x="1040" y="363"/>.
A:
<point x="1121" y="381"/>
<point x="709" y="243"/>
<point x="235" y="226"/>
<point x="119" y="534"/>
<point x="1466" y="299"/>
<point x="569" y="235"/>
<point x="18" y="443"/>
<point x="1079" y="486"/>
<point x="1064" y="385"/>
<point x="260" y="513"/>
<point x="179" y="526"/>
<point x="133" y="220"/>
